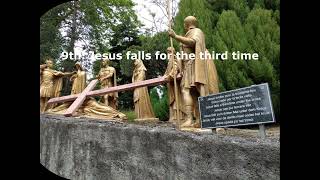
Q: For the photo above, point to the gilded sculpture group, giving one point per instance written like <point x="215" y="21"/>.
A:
<point x="198" y="78"/>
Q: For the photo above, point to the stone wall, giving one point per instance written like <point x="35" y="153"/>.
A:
<point x="85" y="149"/>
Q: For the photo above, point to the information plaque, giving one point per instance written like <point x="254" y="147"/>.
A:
<point x="244" y="106"/>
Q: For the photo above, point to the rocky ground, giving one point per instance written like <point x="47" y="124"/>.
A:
<point x="272" y="131"/>
<point x="86" y="148"/>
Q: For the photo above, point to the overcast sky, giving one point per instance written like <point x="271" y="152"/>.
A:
<point x="143" y="9"/>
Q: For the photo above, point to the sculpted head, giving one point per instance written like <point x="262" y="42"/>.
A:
<point x="49" y="63"/>
<point x="137" y="62"/>
<point x="105" y="62"/>
<point x="170" y="50"/>
<point x="138" y="65"/>
<point x="190" y="22"/>
<point x="78" y="66"/>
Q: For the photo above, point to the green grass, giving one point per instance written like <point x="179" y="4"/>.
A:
<point x="130" y="114"/>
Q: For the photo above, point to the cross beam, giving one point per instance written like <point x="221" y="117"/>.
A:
<point x="79" y="98"/>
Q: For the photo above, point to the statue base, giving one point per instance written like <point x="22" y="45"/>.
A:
<point x="147" y="120"/>
<point x="197" y="130"/>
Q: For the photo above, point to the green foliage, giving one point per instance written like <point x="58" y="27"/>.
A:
<point x="50" y="37"/>
<point x="160" y="105"/>
<point x="229" y="36"/>
<point x="263" y="34"/>
<point x="158" y="42"/>
<point x="126" y="65"/>
<point x="96" y="68"/>
<point x="125" y="100"/>
<point x="240" y="7"/>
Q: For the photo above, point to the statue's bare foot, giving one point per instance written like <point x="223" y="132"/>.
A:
<point x="196" y="125"/>
<point x="221" y="131"/>
<point x="188" y="123"/>
<point x="123" y="117"/>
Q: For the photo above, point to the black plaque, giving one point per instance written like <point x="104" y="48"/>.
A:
<point x="244" y="106"/>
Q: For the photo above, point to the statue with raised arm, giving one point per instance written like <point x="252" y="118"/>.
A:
<point x="108" y="78"/>
<point x="78" y="80"/>
<point x="199" y="76"/>
<point x="51" y="84"/>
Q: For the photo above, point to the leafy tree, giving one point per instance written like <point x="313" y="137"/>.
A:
<point x="149" y="44"/>
<point x="160" y="105"/>
<point x="255" y="4"/>
<point x="159" y="42"/>
<point x="50" y="37"/>
<point x="199" y="9"/>
<point x="263" y="34"/>
<point x="88" y="22"/>
<point x="229" y="36"/>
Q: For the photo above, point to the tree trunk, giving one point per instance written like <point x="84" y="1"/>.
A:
<point x="68" y="64"/>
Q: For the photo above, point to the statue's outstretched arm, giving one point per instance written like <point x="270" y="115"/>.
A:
<point x="184" y="40"/>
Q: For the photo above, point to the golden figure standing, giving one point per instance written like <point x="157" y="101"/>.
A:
<point x="79" y="84"/>
<point x="169" y="74"/>
<point x="199" y="76"/>
<point x="42" y="67"/>
<point x="141" y="99"/>
<point x="107" y="77"/>
<point x="51" y="84"/>
<point x="79" y="79"/>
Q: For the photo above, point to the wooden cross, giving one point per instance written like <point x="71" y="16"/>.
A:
<point x="80" y="99"/>
<point x="87" y="92"/>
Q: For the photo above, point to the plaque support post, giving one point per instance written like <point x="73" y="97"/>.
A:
<point x="262" y="131"/>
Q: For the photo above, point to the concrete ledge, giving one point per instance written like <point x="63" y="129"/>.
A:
<point x="85" y="149"/>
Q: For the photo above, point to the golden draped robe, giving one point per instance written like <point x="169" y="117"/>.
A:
<point x="51" y="83"/>
<point x="92" y="109"/>
<point x="79" y="82"/>
<point x="78" y="85"/>
<point x="109" y="82"/>
<point x="199" y="71"/>
<point x="170" y="86"/>
<point x="141" y="99"/>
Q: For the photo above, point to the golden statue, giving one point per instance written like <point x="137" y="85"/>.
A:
<point x="90" y="108"/>
<point x="199" y="76"/>
<point x="42" y="67"/>
<point x="79" y="79"/>
<point x="50" y="85"/>
<point x="141" y="99"/>
<point x="79" y="84"/>
<point x="169" y="74"/>
<point x="108" y="78"/>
